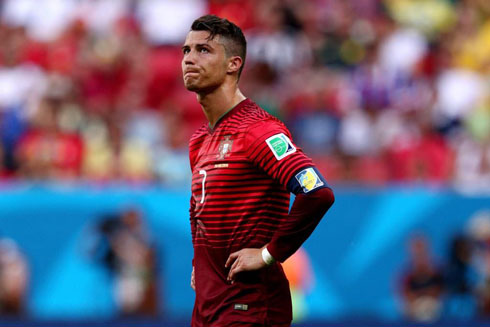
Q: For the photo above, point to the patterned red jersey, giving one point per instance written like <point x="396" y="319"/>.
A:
<point x="240" y="170"/>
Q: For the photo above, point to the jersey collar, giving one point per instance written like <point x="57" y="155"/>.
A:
<point x="227" y="114"/>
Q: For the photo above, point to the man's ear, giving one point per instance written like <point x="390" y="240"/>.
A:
<point x="234" y="64"/>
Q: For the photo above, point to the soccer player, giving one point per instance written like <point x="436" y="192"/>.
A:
<point x="244" y="166"/>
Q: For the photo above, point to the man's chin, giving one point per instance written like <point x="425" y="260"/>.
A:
<point x="192" y="87"/>
<point x="199" y="88"/>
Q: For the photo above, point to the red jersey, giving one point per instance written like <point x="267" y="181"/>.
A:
<point x="240" y="170"/>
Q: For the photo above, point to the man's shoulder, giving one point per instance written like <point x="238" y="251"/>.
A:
<point x="253" y="116"/>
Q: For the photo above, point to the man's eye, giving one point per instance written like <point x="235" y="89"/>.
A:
<point x="204" y="50"/>
<point x="185" y="51"/>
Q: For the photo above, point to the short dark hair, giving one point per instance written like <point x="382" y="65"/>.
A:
<point x="235" y="43"/>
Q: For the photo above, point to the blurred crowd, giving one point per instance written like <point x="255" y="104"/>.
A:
<point x="457" y="288"/>
<point x="375" y="91"/>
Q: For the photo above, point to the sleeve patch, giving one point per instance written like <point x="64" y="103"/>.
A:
<point x="309" y="180"/>
<point x="280" y="145"/>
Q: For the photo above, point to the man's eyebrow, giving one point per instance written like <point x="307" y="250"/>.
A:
<point x="197" y="45"/>
<point x="203" y="45"/>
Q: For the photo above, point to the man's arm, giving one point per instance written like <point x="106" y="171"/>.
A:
<point x="308" y="209"/>
<point x="306" y="212"/>
<point x="270" y="149"/>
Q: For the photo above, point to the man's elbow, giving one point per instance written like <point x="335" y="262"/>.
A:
<point x="328" y="197"/>
<point x="322" y="199"/>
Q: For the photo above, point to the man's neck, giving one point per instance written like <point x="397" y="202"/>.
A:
<point x="217" y="103"/>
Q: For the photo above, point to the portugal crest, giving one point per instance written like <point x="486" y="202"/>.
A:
<point x="225" y="147"/>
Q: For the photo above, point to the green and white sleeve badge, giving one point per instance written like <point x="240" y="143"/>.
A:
<point x="280" y="145"/>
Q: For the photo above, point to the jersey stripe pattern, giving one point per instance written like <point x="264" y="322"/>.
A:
<point x="240" y="170"/>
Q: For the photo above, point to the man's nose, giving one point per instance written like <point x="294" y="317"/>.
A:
<point x="189" y="58"/>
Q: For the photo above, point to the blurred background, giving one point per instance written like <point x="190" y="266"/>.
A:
<point x="390" y="98"/>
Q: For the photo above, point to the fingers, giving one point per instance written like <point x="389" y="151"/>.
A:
<point x="231" y="258"/>
<point x="244" y="260"/>
<point x="235" y="269"/>
<point x="234" y="261"/>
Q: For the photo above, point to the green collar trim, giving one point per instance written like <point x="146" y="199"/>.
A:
<point x="221" y="117"/>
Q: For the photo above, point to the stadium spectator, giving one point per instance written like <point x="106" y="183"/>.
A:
<point x="460" y="280"/>
<point x="123" y="245"/>
<point x="479" y="232"/>
<point x="423" y="284"/>
<point x="14" y="279"/>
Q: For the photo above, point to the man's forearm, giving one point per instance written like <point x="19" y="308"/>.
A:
<point x="306" y="213"/>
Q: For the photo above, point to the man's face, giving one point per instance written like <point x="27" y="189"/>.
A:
<point x="204" y="64"/>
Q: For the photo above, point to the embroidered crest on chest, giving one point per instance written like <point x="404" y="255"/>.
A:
<point x="225" y="147"/>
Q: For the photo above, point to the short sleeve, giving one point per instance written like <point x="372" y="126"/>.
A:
<point x="271" y="148"/>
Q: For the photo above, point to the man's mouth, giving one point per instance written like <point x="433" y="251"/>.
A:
<point x="191" y="73"/>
